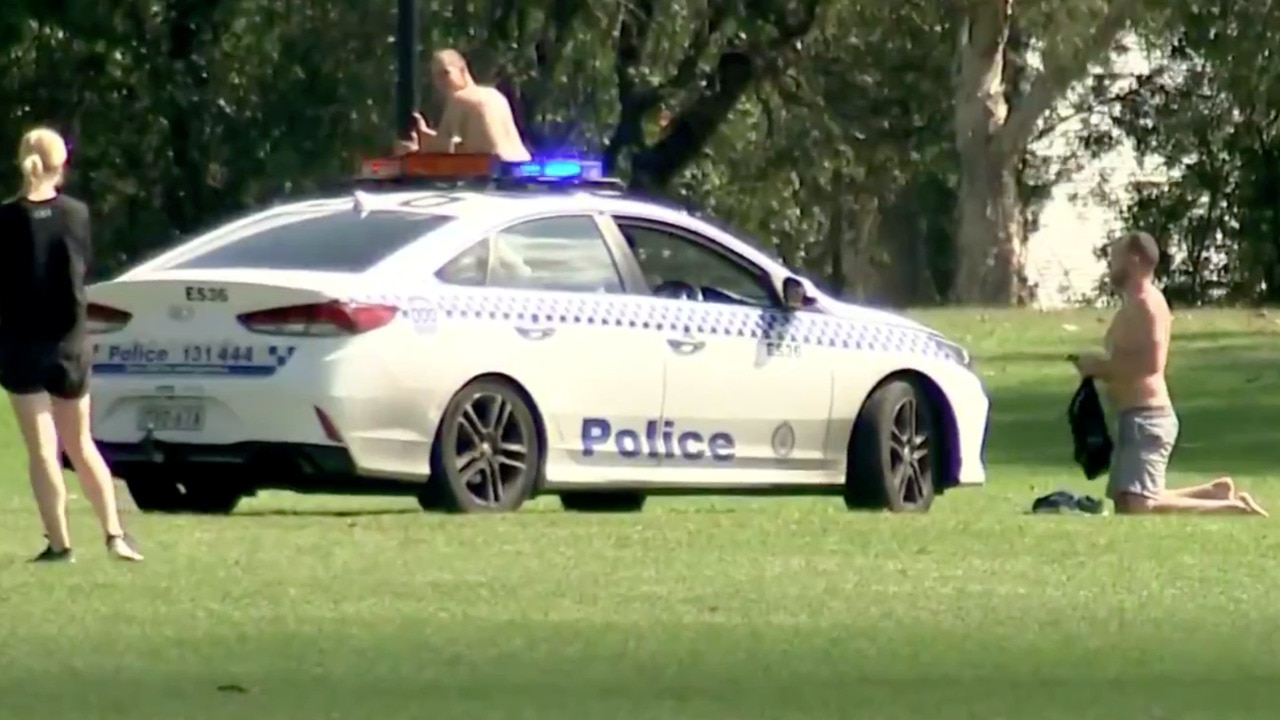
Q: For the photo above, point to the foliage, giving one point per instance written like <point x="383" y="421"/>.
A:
<point x="1207" y="120"/>
<point x="827" y="130"/>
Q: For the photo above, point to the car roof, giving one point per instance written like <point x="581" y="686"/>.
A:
<point x="480" y="210"/>
<point x="476" y="212"/>
<point x="503" y="204"/>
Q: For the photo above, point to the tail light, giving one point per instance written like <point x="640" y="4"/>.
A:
<point x="320" y="319"/>
<point x="101" y="319"/>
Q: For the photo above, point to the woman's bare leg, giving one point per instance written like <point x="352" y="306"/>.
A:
<point x="71" y="417"/>
<point x="39" y="434"/>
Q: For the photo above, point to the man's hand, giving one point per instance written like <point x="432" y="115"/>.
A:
<point x="418" y="136"/>
<point x="1090" y="364"/>
<point x="420" y="127"/>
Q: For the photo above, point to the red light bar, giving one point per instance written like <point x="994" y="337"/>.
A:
<point x="430" y="165"/>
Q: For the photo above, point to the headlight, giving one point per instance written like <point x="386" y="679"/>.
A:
<point x="956" y="352"/>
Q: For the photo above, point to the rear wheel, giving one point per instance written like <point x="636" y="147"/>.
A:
<point x="602" y="502"/>
<point x="487" y="453"/>
<point x="894" y="451"/>
<point x="179" y="488"/>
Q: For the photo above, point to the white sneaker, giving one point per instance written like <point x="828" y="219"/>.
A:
<point x="121" y="548"/>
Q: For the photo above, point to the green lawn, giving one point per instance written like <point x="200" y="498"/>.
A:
<point x="705" y="609"/>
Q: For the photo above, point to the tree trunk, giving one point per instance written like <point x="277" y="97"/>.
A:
<point x="992" y="238"/>
<point x="991" y="242"/>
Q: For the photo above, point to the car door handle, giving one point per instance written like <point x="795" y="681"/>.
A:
<point x="686" y="345"/>
<point x="535" y="333"/>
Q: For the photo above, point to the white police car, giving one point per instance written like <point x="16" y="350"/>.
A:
<point x="502" y="338"/>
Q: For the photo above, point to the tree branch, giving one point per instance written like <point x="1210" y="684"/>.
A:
<point x="1059" y="73"/>
<point x="735" y="72"/>
<point x="686" y="70"/>
<point x="690" y="131"/>
<point x="633" y="103"/>
<point x="1044" y="130"/>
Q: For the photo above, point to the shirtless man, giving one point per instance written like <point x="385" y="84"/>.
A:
<point x="476" y="119"/>
<point x="1132" y="368"/>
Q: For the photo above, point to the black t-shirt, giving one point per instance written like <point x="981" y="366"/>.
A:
<point x="44" y="252"/>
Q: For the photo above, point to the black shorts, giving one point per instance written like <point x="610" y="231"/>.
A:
<point x="27" y="369"/>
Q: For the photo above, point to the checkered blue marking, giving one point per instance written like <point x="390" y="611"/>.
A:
<point x="281" y="353"/>
<point x="646" y="314"/>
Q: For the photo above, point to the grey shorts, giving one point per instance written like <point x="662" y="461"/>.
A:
<point x="1144" y="441"/>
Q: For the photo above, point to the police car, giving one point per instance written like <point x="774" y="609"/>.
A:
<point x="479" y="334"/>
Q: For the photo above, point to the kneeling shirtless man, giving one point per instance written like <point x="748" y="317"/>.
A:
<point x="1132" y="368"/>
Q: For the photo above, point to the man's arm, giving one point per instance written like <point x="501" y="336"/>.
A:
<point x="420" y="137"/>
<point x="442" y="139"/>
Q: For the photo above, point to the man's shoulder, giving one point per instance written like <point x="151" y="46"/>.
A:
<point x="1153" y="303"/>
<point x="480" y="96"/>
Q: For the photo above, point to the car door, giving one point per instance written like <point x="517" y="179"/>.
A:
<point x="747" y="388"/>
<point x="559" y="307"/>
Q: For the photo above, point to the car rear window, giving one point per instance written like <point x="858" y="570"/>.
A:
<point x="340" y="241"/>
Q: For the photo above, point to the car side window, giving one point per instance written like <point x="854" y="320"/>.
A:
<point x="673" y="263"/>
<point x="558" y="253"/>
<point x="470" y="267"/>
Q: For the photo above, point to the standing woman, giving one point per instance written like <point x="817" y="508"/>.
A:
<point x="44" y="352"/>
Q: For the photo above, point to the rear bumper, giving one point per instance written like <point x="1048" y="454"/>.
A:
<point x="269" y="464"/>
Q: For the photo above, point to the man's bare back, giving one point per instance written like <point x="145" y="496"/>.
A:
<point x="479" y="118"/>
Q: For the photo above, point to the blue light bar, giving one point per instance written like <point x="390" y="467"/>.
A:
<point x="559" y="169"/>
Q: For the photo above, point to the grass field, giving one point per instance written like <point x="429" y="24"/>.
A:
<point x="313" y="608"/>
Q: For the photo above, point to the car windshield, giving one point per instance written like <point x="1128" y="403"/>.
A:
<point x="326" y="241"/>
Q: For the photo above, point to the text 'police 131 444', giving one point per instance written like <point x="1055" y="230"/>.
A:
<point x="189" y="354"/>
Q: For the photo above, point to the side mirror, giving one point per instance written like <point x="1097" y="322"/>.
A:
<point x="794" y="294"/>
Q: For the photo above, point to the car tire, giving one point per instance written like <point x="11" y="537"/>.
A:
<point x="893" y="451"/>
<point x="602" y="502"/>
<point x="183" y="489"/>
<point x="488" y="455"/>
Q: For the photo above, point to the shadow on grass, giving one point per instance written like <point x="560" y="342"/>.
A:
<point x="1228" y="405"/>
<point x="277" y="512"/>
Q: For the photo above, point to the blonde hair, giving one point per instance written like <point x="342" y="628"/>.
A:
<point x="42" y="154"/>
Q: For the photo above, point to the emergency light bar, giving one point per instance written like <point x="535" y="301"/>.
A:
<point x="463" y="166"/>
<point x="430" y="165"/>
<point x="559" y="170"/>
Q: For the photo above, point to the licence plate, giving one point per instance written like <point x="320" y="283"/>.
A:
<point x="171" y="416"/>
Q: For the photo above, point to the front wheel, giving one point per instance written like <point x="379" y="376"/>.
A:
<point x="487" y="455"/>
<point x="894" y="451"/>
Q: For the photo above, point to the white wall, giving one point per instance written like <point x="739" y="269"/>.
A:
<point x="1060" y="253"/>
